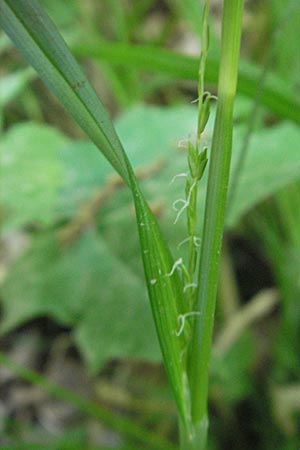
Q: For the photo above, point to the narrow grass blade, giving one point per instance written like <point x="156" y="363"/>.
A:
<point x="275" y="94"/>
<point x="88" y="407"/>
<point x="219" y="168"/>
<point x="35" y="35"/>
<point x="166" y="296"/>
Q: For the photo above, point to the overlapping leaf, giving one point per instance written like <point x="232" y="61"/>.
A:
<point x="82" y="174"/>
<point x="38" y="39"/>
<point x="36" y="36"/>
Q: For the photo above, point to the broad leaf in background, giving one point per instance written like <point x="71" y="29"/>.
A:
<point x="273" y="161"/>
<point x="150" y="136"/>
<point x="37" y="37"/>
<point x="284" y="18"/>
<point x="13" y="84"/>
<point x="35" y="34"/>
<point x="31" y="174"/>
<point x="276" y="94"/>
<point x="84" y="286"/>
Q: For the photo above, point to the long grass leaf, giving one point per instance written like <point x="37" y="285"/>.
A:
<point x="86" y="406"/>
<point x="166" y="296"/>
<point x="33" y="32"/>
<point x="275" y="95"/>
<point x="36" y="36"/>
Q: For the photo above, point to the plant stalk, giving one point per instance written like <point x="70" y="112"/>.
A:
<point x="195" y="437"/>
<point x="198" y="364"/>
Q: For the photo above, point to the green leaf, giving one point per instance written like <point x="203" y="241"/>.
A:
<point x="275" y="95"/>
<point x="13" y="84"/>
<point x="87" y="287"/>
<point x="34" y="33"/>
<point x="36" y="36"/>
<point x="85" y="172"/>
<point x="162" y="128"/>
<point x="117" y="321"/>
<point x="165" y="290"/>
<point x="273" y="162"/>
<point x="84" y="286"/>
<point x="90" y="408"/>
<point x="284" y="19"/>
<point x="31" y="174"/>
<point x="231" y="376"/>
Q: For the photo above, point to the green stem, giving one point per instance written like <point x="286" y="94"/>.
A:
<point x="194" y="156"/>
<point x="194" y="439"/>
<point x="214" y="212"/>
<point x="202" y="66"/>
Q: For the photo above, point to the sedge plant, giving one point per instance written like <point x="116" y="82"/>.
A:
<point x="182" y="294"/>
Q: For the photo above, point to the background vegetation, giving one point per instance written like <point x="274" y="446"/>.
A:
<point x="73" y="301"/>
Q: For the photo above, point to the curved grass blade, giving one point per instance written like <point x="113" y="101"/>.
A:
<point x="165" y="290"/>
<point x="275" y="95"/>
<point x="86" y="406"/>
<point x="36" y="36"/>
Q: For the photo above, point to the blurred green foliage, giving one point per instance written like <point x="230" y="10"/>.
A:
<point x="81" y="265"/>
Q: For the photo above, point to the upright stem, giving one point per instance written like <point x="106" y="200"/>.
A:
<point x="214" y="215"/>
<point x="202" y="65"/>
